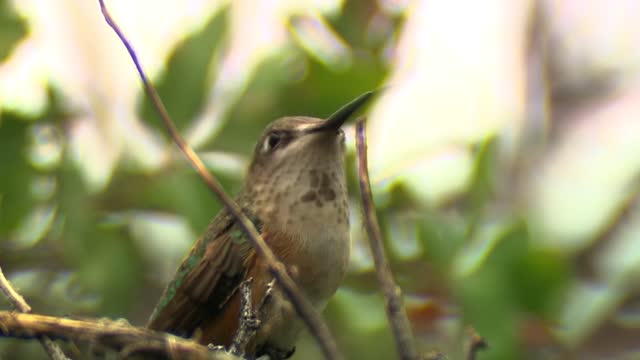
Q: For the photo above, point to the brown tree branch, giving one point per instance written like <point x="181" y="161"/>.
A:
<point x="392" y="294"/>
<point x="317" y="327"/>
<point x="18" y="302"/>
<point x="117" y="335"/>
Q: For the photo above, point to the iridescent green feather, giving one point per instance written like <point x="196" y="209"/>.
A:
<point x="237" y="235"/>
<point x="186" y="266"/>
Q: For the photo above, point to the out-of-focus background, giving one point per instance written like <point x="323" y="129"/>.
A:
<point x="505" y="157"/>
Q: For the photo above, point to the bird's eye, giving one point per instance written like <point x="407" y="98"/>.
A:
<point x="274" y="140"/>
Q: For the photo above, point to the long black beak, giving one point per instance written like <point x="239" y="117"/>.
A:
<point x="335" y="121"/>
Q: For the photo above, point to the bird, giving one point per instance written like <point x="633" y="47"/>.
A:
<point x="295" y="194"/>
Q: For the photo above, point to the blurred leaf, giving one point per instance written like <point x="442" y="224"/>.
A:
<point x="540" y="279"/>
<point x="489" y="308"/>
<point x="12" y="28"/>
<point x="177" y="190"/>
<point x="442" y="238"/>
<point x="107" y="262"/>
<point x="259" y="105"/>
<point x="488" y="299"/>
<point x="184" y="86"/>
<point x="363" y="314"/>
<point x="112" y="268"/>
<point x="514" y="280"/>
<point x="272" y="94"/>
<point x="325" y="91"/>
<point x="16" y="172"/>
<point x="354" y="18"/>
<point x="77" y="212"/>
<point x="483" y="183"/>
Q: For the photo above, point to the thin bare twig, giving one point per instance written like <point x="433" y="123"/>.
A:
<point x="112" y="334"/>
<point x="392" y="294"/>
<point x="18" y="302"/>
<point x="305" y="310"/>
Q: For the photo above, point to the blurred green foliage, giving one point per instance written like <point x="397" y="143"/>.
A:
<point x="16" y="201"/>
<point x="185" y="70"/>
<point x="11" y="28"/>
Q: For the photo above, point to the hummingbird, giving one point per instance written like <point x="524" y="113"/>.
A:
<point x="295" y="194"/>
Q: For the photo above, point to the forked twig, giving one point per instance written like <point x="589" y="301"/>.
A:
<point x="392" y="294"/>
<point x="18" y="302"/>
<point x="303" y="306"/>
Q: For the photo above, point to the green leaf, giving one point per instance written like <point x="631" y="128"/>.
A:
<point x="325" y="91"/>
<point x="183" y="87"/>
<point x="540" y="279"/>
<point x="484" y="179"/>
<point x="517" y="278"/>
<point x="441" y="237"/>
<point x="319" y="93"/>
<point x="177" y="190"/>
<point x="16" y="172"/>
<point x="12" y="28"/>
<point x="112" y="268"/>
<point x="488" y="299"/>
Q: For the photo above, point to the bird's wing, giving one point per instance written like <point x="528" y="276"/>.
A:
<point x="206" y="279"/>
